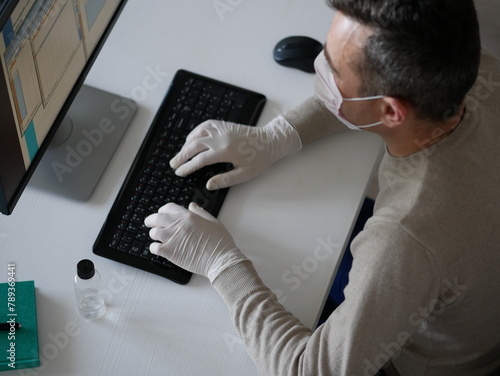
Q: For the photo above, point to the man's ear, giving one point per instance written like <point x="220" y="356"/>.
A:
<point x="394" y="111"/>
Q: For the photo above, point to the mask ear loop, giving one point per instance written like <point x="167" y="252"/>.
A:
<point x="364" y="98"/>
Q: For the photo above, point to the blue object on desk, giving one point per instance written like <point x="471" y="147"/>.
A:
<point x="336" y="295"/>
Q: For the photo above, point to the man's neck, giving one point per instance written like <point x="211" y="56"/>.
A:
<point x="420" y="135"/>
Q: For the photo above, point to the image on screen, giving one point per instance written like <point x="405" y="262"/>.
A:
<point x="44" y="47"/>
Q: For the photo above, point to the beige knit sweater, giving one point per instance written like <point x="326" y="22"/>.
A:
<point x="424" y="287"/>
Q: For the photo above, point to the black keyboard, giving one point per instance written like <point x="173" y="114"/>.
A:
<point x="151" y="183"/>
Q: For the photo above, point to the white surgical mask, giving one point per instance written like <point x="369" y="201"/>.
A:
<point x="327" y="91"/>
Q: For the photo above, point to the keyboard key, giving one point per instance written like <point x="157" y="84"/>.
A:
<point x="136" y="248"/>
<point x="215" y="89"/>
<point x="234" y="116"/>
<point x="145" y="254"/>
<point x="157" y="259"/>
<point x="124" y="246"/>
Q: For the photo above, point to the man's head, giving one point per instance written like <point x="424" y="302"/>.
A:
<point x="423" y="52"/>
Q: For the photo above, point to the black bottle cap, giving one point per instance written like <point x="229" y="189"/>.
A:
<point x="85" y="269"/>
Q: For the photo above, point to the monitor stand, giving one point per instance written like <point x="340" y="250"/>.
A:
<point x="84" y="144"/>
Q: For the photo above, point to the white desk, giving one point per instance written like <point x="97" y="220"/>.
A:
<point x="281" y="220"/>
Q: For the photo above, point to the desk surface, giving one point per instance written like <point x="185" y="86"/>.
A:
<point x="293" y="221"/>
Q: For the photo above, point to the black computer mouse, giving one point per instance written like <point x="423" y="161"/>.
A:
<point x="297" y="52"/>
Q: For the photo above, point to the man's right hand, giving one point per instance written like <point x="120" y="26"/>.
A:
<point x="251" y="150"/>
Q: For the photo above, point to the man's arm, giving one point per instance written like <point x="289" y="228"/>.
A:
<point x="387" y="286"/>
<point x="393" y="277"/>
<point x="313" y="120"/>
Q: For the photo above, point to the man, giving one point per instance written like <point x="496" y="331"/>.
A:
<point x="423" y="292"/>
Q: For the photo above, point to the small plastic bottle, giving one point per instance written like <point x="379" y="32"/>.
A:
<point x="89" y="301"/>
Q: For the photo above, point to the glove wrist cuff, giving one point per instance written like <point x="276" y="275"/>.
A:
<point x="222" y="263"/>
<point x="288" y="138"/>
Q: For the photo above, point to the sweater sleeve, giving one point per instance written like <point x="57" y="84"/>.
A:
<point x="313" y="120"/>
<point x="367" y="327"/>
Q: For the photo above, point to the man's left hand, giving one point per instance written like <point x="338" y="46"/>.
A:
<point x="193" y="239"/>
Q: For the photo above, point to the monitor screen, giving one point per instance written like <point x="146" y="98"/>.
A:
<point x="46" y="49"/>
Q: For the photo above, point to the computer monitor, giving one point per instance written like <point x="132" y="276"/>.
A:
<point x="47" y="48"/>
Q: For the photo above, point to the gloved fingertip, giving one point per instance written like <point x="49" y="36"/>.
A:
<point x="219" y="182"/>
<point x="177" y="161"/>
<point x="212" y="185"/>
<point x="198" y="210"/>
<point x="154" y="248"/>
<point x="181" y="171"/>
<point x="153" y="233"/>
<point x="165" y="209"/>
<point x="173" y="163"/>
<point x="150" y="220"/>
<point x="193" y="206"/>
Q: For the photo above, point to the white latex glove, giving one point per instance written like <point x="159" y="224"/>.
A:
<point x="251" y="150"/>
<point x="193" y="239"/>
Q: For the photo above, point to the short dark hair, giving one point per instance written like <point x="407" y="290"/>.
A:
<point x="424" y="51"/>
